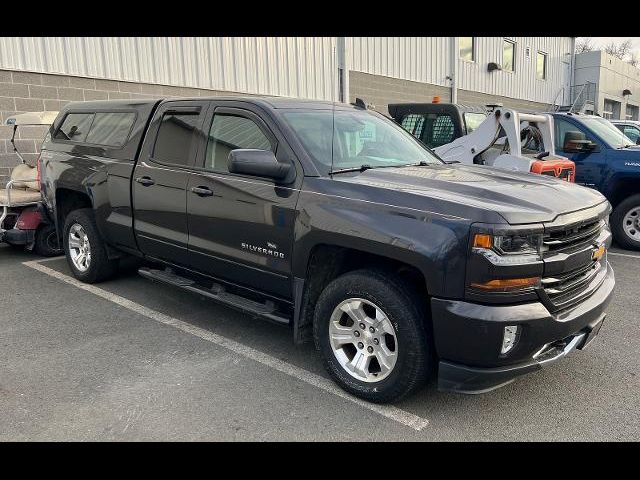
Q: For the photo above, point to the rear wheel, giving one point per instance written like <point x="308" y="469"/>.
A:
<point x="625" y="223"/>
<point x="46" y="241"/>
<point x="369" y="329"/>
<point x="84" y="248"/>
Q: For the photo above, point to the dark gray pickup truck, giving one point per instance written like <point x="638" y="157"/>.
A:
<point x="334" y="220"/>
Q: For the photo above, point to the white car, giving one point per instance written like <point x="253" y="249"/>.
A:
<point x="631" y="128"/>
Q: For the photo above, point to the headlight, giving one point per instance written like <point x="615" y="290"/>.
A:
<point x="509" y="249"/>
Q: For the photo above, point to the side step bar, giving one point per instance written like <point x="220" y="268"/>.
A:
<point x="217" y="292"/>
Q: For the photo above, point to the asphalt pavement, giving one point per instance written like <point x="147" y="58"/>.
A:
<point x="129" y="359"/>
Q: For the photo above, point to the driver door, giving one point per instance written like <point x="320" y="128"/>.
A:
<point x="589" y="164"/>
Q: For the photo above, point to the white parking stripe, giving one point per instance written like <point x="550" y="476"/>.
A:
<point x="393" y="413"/>
<point x="623" y="255"/>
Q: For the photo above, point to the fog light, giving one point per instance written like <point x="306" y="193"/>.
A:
<point x="509" y="339"/>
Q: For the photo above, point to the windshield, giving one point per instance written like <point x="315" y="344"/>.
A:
<point x="355" y="138"/>
<point x="607" y="131"/>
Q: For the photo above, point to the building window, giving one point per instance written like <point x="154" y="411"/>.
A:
<point x="467" y="48"/>
<point x="508" y="55"/>
<point x="541" y="66"/>
<point x="631" y="112"/>
<point x="611" y="110"/>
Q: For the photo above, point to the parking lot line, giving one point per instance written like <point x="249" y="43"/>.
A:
<point x="388" y="411"/>
<point x="623" y="255"/>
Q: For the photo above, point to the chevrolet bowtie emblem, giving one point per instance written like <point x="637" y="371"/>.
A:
<point x="598" y="253"/>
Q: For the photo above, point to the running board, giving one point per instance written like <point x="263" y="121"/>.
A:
<point x="217" y="292"/>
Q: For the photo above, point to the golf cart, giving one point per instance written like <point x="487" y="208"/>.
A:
<point x="22" y="221"/>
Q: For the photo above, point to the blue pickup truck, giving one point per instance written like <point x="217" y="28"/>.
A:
<point x="605" y="158"/>
<point x="608" y="161"/>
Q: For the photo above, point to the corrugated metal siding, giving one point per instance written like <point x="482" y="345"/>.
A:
<point x="428" y="60"/>
<point x="420" y="59"/>
<point x="522" y="83"/>
<point x="293" y="66"/>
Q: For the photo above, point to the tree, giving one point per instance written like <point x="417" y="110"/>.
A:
<point x="619" y="50"/>
<point x="584" y="45"/>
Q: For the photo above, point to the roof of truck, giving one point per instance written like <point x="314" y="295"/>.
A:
<point x="266" y="101"/>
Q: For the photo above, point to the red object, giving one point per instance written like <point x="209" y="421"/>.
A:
<point x="564" y="169"/>
<point x="38" y="173"/>
<point x="29" y="220"/>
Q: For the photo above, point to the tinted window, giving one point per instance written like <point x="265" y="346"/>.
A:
<point x="541" y="66"/>
<point x="231" y="132"/>
<point x="111" y="128"/>
<point x="75" y="127"/>
<point x="466" y="48"/>
<point x="508" y="55"/>
<point x="442" y="132"/>
<point x="176" y="137"/>
<point x="413" y="124"/>
<point x="562" y="127"/>
<point x="632" y="132"/>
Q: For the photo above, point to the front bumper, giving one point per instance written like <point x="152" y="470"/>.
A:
<point x="468" y="337"/>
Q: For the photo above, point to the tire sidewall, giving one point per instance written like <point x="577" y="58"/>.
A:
<point x="407" y="322"/>
<point x="617" y="218"/>
<point x="99" y="267"/>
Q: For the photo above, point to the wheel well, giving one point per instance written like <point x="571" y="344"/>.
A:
<point x="66" y="202"/>
<point x="623" y="189"/>
<point x="327" y="262"/>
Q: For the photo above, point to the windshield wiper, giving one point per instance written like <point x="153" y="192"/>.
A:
<point x="361" y="168"/>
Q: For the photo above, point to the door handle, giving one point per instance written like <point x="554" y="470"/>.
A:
<point x="202" y="191"/>
<point x="145" y="181"/>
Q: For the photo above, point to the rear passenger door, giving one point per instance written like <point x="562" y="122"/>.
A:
<point x="241" y="227"/>
<point x="160" y="180"/>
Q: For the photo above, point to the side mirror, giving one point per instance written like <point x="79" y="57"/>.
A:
<point x="638" y="141"/>
<point x="259" y="163"/>
<point x="576" y="142"/>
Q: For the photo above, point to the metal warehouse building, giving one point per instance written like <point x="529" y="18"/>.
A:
<point x="38" y="73"/>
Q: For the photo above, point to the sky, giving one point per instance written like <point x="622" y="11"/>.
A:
<point x="601" y="42"/>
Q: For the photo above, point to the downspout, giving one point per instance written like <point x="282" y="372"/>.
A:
<point x="343" y="69"/>
<point x="453" y="77"/>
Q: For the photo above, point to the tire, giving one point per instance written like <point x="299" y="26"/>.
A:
<point x="46" y="241"/>
<point x="405" y="313"/>
<point x="625" y="223"/>
<point x="98" y="267"/>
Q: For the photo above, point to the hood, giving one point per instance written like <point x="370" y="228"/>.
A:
<point x="516" y="197"/>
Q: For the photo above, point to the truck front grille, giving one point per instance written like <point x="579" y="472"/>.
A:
<point x="573" y="238"/>
<point x="563" y="290"/>
<point x="566" y="288"/>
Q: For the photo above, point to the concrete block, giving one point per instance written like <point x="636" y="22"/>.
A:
<point x="95" y="95"/>
<point x="55" y="80"/>
<point x="108" y="85"/>
<point x="26" y="78"/>
<point x="73" y="94"/>
<point x="81" y="82"/>
<point x="39" y="91"/>
<point x="14" y="90"/>
<point x="29" y="104"/>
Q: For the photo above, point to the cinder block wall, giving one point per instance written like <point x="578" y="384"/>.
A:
<point x="381" y="91"/>
<point x="29" y="92"/>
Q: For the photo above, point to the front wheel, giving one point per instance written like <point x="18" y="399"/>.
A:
<point x="85" y="250"/>
<point x="625" y="223"/>
<point x="369" y="329"/>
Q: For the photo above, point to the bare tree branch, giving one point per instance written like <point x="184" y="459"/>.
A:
<point x="584" y="45"/>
